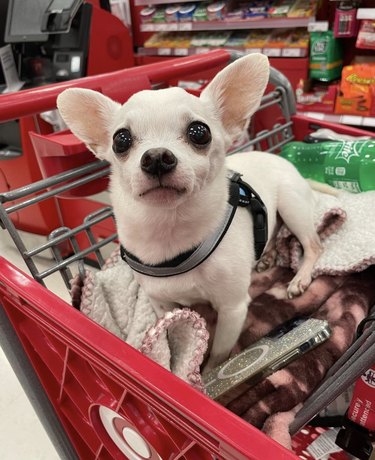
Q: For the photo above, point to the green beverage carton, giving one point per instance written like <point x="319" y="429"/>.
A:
<point x="200" y="13"/>
<point x="325" y="56"/>
<point x="159" y="16"/>
<point x="347" y="165"/>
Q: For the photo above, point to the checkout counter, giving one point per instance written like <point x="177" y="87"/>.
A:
<point x="52" y="41"/>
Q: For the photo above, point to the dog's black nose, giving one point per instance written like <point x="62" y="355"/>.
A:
<point x="158" y="161"/>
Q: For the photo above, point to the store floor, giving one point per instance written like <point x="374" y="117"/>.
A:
<point x="22" y="437"/>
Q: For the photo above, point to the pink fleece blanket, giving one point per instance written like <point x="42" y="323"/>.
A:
<point x="342" y="300"/>
<point x="180" y="339"/>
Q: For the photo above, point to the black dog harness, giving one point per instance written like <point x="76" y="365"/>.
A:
<point x="240" y="194"/>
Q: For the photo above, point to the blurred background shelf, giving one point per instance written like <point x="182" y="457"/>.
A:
<point x="271" y="23"/>
<point x="158" y="2"/>
<point x="271" y="52"/>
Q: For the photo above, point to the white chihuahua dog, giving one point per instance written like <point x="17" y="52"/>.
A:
<point x="169" y="189"/>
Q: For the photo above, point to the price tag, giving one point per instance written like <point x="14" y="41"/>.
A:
<point x="160" y="27"/>
<point x="366" y="13"/>
<point x="272" y="52"/>
<point x="253" y="50"/>
<point x="291" y="52"/>
<point x="351" y="120"/>
<point x="185" y="26"/>
<point x="368" y="121"/>
<point x="318" y="26"/>
<point x="201" y="49"/>
<point x="170" y="27"/>
<point x="147" y="28"/>
<point x="316" y="115"/>
<point x="181" y="51"/>
<point x="164" y="51"/>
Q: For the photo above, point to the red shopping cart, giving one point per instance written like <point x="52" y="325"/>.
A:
<point x="97" y="397"/>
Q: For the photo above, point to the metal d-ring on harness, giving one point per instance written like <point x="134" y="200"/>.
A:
<point x="240" y="194"/>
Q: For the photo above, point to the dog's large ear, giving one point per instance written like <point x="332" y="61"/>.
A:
<point x="89" y="115"/>
<point x="237" y="90"/>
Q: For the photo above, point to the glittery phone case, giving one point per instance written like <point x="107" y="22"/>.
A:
<point x="267" y="355"/>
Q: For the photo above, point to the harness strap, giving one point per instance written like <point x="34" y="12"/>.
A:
<point x="241" y="194"/>
<point x="249" y="198"/>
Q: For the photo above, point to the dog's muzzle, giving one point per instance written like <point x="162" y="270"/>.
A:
<point x="158" y="162"/>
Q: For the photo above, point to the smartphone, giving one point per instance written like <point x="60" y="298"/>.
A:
<point x="269" y="354"/>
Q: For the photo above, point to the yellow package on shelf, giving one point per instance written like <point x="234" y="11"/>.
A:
<point x="257" y="39"/>
<point x="303" y="9"/>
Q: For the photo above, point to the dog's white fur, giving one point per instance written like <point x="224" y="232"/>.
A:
<point x="158" y="224"/>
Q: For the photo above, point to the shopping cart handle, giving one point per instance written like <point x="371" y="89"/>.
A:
<point x="37" y="100"/>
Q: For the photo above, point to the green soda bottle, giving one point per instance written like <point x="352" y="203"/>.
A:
<point x="348" y="165"/>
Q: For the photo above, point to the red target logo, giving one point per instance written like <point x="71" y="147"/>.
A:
<point x="126" y="437"/>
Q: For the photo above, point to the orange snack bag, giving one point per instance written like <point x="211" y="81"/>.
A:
<point x="357" y="90"/>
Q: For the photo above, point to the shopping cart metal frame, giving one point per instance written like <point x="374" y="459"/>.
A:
<point x="202" y="428"/>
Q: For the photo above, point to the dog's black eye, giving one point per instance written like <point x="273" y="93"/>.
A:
<point x="122" y="141"/>
<point x="199" y="134"/>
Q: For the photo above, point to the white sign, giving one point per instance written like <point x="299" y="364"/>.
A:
<point x="202" y="49"/>
<point x="324" y="445"/>
<point x="291" y="52"/>
<point x="181" y="51"/>
<point x="147" y="27"/>
<point x="318" y="26"/>
<point x="366" y="13"/>
<point x="12" y="81"/>
<point x="253" y="50"/>
<point x="185" y="26"/>
<point x="272" y="52"/>
<point x="164" y="51"/>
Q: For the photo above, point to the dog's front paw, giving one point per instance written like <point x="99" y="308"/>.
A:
<point x="267" y="261"/>
<point x="298" y="285"/>
<point x="211" y="364"/>
<point x="206" y="370"/>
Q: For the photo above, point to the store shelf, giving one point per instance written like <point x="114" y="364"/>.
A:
<point x="272" y="23"/>
<point x="158" y="2"/>
<point x="270" y="52"/>
<point x="344" y="119"/>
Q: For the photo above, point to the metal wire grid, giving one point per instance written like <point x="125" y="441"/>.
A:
<point x="43" y="190"/>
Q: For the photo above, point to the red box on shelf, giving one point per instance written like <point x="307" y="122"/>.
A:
<point x="318" y="98"/>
